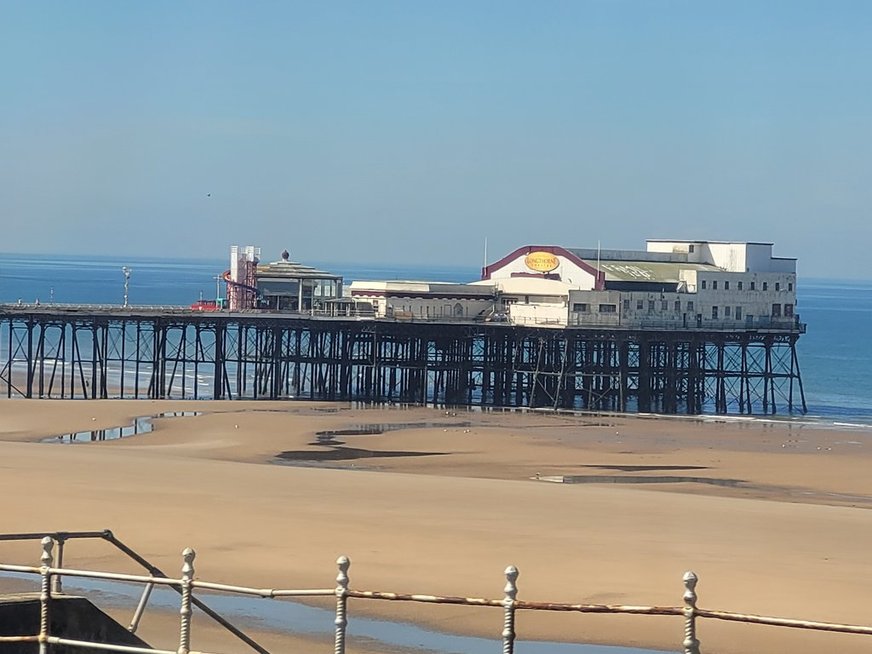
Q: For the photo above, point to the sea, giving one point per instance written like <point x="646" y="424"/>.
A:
<point x="835" y="354"/>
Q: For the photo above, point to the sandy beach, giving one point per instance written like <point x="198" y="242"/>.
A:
<point x="773" y="517"/>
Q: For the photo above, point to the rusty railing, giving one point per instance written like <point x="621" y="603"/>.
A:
<point x="51" y="575"/>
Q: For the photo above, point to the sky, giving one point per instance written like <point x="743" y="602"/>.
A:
<point x="411" y="132"/>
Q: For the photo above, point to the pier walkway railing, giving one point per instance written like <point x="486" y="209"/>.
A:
<point x="572" y="320"/>
<point x="51" y="575"/>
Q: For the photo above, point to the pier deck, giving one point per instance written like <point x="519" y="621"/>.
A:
<point x="166" y="352"/>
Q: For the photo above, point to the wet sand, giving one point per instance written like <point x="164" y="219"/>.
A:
<point x="774" y="518"/>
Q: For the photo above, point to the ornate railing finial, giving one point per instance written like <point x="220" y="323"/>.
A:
<point x="186" y="611"/>
<point x="341" y="621"/>
<point x="46" y="561"/>
<point x="691" y="644"/>
<point x="511" y="593"/>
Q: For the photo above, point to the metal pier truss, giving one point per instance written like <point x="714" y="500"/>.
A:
<point x="126" y="354"/>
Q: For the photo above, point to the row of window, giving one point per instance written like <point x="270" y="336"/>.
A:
<point x="740" y="285"/>
<point x="728" y="311"/>
<point x="664" y="305"/>
<point x="580" y="307"/>
<point x="737" y="314"/>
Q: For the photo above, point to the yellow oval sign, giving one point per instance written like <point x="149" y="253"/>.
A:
<point x="541" y="261"/>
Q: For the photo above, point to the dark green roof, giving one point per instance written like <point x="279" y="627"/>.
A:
<point x="647" y="271"/>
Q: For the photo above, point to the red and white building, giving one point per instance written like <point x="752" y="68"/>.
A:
<point x="714" y="284"/>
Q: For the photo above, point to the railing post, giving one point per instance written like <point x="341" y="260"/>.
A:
<point x="45" y="593"/>
<point x="691" y="644"/>
<point x="511" y="591"/>
<point x="58" y="580"/>
<point x="186" y="612"/>
<point x="341" y="620"/>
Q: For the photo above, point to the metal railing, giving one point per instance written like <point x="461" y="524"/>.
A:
<point x="571" y="319"/>
<point x="61" y="537"/>
<point x="617" y="321"/>
<point x="186" y="584"/>
<point x="48" y="307"/>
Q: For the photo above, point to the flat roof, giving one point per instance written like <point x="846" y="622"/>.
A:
<point x="593" y="254"/>
<point x="648" y="271"/>
<point x="685" y="240"/>
<point x="406" y="287"/>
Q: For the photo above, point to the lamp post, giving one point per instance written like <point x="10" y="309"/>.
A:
<point x="218" y="279"/>
<point x="126" y="272"/>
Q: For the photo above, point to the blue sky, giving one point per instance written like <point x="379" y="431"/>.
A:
<point x="411" y="131"/>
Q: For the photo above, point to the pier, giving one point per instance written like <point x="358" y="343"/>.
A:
<point x="155" y="353"/>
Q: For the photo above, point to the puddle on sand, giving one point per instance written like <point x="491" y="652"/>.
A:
<point x="340" y="453"/>
<point x="642" y="468"/>
<point x="141" y="425"/>
<point x="373" y="429"/>
<point x="646" y="479"/>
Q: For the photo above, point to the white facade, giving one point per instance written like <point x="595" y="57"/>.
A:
<point x="531" y="300"/>
<point x="671" y="285"/>
<point x="410" y="300"/>
<point x="728" y="301"/>
<point x="729" y="256"/>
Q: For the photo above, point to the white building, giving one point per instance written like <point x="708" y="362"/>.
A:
<point x="412" y="300"/>
<point x="671" y="284"/>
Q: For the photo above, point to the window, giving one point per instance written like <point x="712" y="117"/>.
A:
<point x="765" y="286"/>
<point x="640" y="304"/>
<point x="580" y="307"/>
<point x="702" y="284"/>
<point x="678" y="306"/>
<point x="690" y="307"/>
<point x="715" y="285"/>
<point x="753" y="285"/>
<point x="650" y="306"/>
<point x="738" y="313"/>
<point x="690" y="248"/>
<point x="664" y="305"/>
<point x="714" y="313"/>
<point x="626" y="305"/>
<point x="788" y="310"/>
<point x="776" y="310"/>
<point x="608" y="308"/>
<point x="777" y="286"/>
<point x="726" y="312"/>
<point x="790" y="286"/>
<point x="726" y="286"/>
<point x="739" y="284"/>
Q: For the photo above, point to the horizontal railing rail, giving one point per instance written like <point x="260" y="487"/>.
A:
<point x="572" y="319"/>
<point x="509" y="603"/>
<point x="613" y="321"/>
<point x="58" y="306"/>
